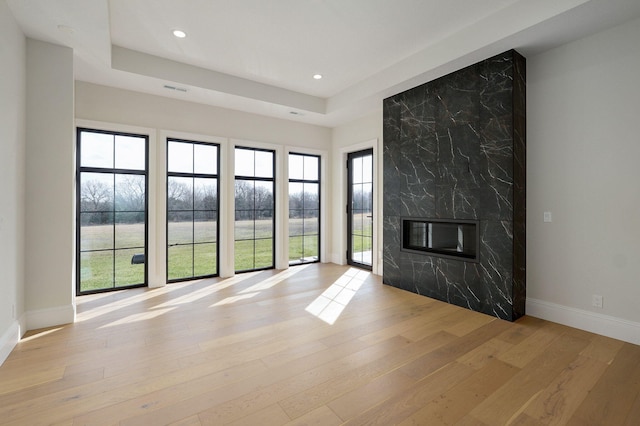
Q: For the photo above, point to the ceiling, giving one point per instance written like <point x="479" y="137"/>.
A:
<point x="260" y="56"/>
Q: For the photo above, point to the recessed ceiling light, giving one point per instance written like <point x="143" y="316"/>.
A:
<point x="179" y="33"/>
<point x="317" y="76"/>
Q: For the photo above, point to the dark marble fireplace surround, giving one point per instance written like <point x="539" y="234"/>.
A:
<point x="454" y="149"/>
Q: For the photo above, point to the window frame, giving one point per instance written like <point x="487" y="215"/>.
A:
<point x="319" y="208"/>
<point x="254" y="178"/>
<point x="109" y="171"/>
<point x="193" y="176"/>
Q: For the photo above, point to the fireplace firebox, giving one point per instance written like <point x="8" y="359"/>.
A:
<point x="450" y="238"/>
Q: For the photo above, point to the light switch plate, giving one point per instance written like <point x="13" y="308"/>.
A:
<point x="547" y="216"/>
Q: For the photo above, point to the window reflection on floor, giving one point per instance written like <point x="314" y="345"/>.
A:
<point x="330" y="304"/>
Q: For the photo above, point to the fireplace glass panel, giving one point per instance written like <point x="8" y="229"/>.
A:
<point x="458" y="239"/>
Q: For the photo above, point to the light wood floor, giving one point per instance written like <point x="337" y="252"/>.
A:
<point x="259" y="349"/>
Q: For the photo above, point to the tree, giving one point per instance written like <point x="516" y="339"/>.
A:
<point x="130" y="193"/>
<point x="179" y="195"/>
<point x="95" y="196"/>
<point x="253" y="197"/>
<point x="206" y="196"/>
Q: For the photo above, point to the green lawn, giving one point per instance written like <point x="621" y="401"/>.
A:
<point x="187" y="260"/>
<point x="97" y="267"/>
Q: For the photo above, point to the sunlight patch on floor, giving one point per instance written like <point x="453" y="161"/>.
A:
<point x="193" y="296"/>
<point x="330" y="304"/>
<point x="119" y="303"/>
<point x="233" y="299"/>
<point x="37" y="334"/>
<point x="265" y="284"/>
<point x="208" y="290"/>
<point x="142" y="316"/>
<point x="274" y="280"/>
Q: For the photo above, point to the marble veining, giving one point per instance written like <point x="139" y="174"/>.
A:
<point x="455" y="148"/>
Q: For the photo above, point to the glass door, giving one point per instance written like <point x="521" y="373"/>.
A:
<point x="360" y="209"/>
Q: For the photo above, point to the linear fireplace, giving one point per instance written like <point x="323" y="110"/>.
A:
<point x="450" y="238"/>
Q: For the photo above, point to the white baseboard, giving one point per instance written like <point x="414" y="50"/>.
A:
<point x="50" y="317"/>
<point x="10" y="338"/>
<point x="605" y="325"/>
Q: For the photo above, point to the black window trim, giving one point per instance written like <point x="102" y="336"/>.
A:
<point x="114" y="171"/>
<point x="192" y="175"/>
<point x="273" y="221"/>
<point x="319" y="157"/>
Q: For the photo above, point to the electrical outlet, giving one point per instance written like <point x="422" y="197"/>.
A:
<point x="596" y="301"/>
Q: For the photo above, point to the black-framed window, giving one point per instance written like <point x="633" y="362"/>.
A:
<point x="304" y="208"/>
<point x="254" y="230"/>
<point x="192" y="209"/>
<point x="111" y="210"/>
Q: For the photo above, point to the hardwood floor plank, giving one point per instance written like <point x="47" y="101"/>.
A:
<point x="634" y="413"/>
<point x="531" y="347"/>
<point x="189" y="421"/>
<point x="427" y="364"/>
<point x="559" y="400"/>
<point x="365" y="397"/>
<point x="428" y="313"/>
<point x="509" y="400"/>
<point x="153" y="396"/>
<point x="271" y="415"/>
<point x="207" y="399"/>
<point x="453" y="315"/>
<point x="292" y="353"/>
<point x="602" y="348"/>
<point x="451" y="406"/>
<point x="68" y="381"/>
<point x="613" y="396"/>
<point x="329" y="390"/>
<point x="406" y="403"/>
<point x="469" y="420"/>
<point x="321" y="416"/>
<point x="486" y="352"/>
<point x="246" y="349"/>
<point x="292" y="385"/>
<point x="468" y="324"/>
<point x="521" y="329"/>
<point x="381" y="319"/>
<point x="525" y="420"/>
<point x="12" y="382"/>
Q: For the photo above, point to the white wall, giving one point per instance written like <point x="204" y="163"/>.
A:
<point x="583" y="153"/>
<point x="101" y="103"/>
<point x="360" y="134"/>
<point x="49" y="259"/>
<point x="12" y="151"/>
